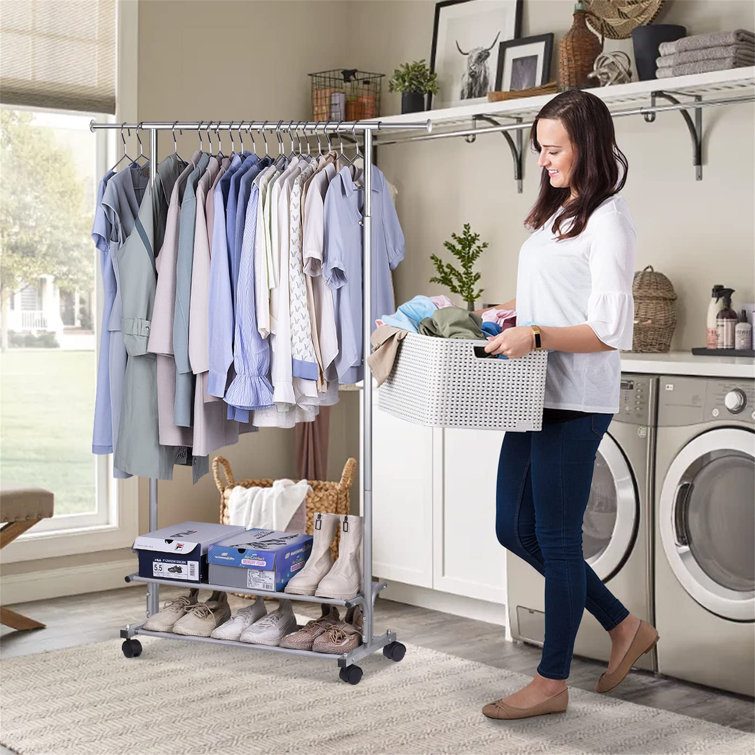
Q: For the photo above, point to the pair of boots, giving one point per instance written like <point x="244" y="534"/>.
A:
<point x="321" y="576"/>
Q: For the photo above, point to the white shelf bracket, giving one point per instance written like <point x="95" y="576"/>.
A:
<point x="515" y="144"/>
<point x="695" y="127"/>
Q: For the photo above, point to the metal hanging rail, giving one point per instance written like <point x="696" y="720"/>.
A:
<point x="370" y="644"/>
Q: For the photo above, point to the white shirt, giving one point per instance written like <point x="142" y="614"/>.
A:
<point x="584" y="280"/>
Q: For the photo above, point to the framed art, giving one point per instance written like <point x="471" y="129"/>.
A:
<point x="466" y="38"/>
<point x="524" y="63"/>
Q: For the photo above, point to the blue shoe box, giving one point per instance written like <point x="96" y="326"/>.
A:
<point x="180" y="552"/>
<point x="258" y="559"/>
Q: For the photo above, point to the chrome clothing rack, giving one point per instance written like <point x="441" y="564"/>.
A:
<point x="370" y="643"/>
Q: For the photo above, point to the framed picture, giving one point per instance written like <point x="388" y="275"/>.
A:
<point x="466" y="38"/>
<point x="524" y="63"/>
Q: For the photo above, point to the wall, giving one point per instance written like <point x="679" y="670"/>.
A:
<point x="696" y="233"/>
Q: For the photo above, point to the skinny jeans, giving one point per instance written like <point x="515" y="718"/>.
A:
<point x="544" y="481"/>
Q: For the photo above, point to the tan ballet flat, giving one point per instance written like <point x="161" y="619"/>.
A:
<point x="501" y="710"/>
<point x="643" y="642"/>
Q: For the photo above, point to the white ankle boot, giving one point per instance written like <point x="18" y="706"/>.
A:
<point x="320" y="559"/>
<point x="345" y="578"/>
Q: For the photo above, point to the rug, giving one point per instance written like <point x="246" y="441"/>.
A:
<point x="190" y="698"/>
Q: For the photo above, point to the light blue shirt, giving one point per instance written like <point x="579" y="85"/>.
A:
<point x="342" y="265"/>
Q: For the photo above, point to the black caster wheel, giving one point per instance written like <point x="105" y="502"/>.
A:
<point x="394" y="651"/>
<point x="351" y="674"/>
<point x="131" y="648"/>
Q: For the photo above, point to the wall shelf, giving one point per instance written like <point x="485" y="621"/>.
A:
<point x="687" y="94"/>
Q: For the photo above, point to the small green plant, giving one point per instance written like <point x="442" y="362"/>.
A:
<point x="467" y="251"/>
<point x="413" y="77"/>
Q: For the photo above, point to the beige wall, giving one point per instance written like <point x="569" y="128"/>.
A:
<point x="696" y="233"/>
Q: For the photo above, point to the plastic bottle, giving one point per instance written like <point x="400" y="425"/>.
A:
<point x="743" y="334"/>
<point x="711" y="331"/>
<point x="726" y="321"/>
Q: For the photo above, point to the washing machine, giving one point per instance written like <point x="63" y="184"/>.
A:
<point x="705" y="531"/>
<point x="617" y="530"/>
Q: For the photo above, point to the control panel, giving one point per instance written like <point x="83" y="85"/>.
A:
<point x="636" y="400"/>
<point x="730" y="399"/>
<point x="694" y="400"/>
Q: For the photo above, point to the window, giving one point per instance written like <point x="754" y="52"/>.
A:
<point x="51" y="163"/>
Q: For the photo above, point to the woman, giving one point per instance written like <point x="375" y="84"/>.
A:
<point x="574" y="298"/>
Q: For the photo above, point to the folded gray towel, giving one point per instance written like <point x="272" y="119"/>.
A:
<point x="701" y="66"/>
<point x="743" y="52"/>
<point x="714" y="39"/>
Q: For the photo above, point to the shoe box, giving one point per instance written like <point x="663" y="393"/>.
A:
<point x="258" y="559"/>
<point x="180" y="552"/>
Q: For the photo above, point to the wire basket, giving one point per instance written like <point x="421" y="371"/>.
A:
<point x="442" y="383"/>
<point x="345" y="95"/>
<point x="326" y="497"/>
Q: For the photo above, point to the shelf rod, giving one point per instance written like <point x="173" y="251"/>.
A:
<point x="333" y="127"/>
<point x="519" y="126"/>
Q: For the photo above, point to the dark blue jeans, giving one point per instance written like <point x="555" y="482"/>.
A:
<point x="544" y="481"/>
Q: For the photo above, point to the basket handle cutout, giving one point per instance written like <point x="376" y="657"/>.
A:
<point x="217" y="462"/>
<point x="480" y="353"/>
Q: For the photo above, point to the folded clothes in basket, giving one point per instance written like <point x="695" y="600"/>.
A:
<point x="453" y="322"/>
<point x="409" y="314"/>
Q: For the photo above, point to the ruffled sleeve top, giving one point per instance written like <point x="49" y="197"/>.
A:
<point x="584" y="280"/>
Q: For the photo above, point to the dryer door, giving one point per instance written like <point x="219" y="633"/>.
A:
<point x="611" y="518"/>
<point x="707" y="521"/>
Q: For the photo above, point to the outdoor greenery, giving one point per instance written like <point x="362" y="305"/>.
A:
<point x="467" y="251"/>
<point x="413" y="77"/>
<point x="46" y="406"/>
<point x="45" y="224"/>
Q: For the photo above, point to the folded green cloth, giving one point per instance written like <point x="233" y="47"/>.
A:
<point x="453" y="322"/>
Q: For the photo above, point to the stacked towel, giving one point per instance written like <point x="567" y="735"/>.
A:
<point x="700" y="53"/>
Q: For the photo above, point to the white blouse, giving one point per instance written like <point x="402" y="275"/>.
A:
<point x="584" y="280"/>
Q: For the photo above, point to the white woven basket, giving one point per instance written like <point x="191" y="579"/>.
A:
<point x="440" y="382"/>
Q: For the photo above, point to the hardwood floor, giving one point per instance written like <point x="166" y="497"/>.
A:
<point x="83" y="619"/>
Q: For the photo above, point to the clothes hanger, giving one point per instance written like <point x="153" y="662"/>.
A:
<point x="241" y="138"/>
<point x="221" y="156"/>
<point x="209" y="138"/>
<point x="230" y="133"/>
<point x="291" y="137"/>
<point x="141" y="155"/>
<point x="125" y="155"/>
<point x="199" y="133"/>
<point x="250" y="131"/>
<point x="301" y="125"/>
<point x="175" y="143"/>
<point x="319" y="143"/>
<point x="264" y="138"/>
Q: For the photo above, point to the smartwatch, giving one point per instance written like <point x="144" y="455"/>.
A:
<point x="538" y="341"/>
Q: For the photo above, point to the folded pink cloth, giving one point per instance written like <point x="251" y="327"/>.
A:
<point x="442" y="301"/>
<point x="505" y="318"/>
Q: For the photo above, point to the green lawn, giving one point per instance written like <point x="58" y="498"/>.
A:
<point x="46" y="411"/>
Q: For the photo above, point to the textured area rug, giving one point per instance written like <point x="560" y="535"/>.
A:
<point x="191" y="698"/>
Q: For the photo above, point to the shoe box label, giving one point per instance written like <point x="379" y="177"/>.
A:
<point x="260" y="580"/>
<point x="188" y="570"/>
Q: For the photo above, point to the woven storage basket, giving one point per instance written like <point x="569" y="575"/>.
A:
<point x="654" y="312"/>
<point x="440" y="382"/>
<point x="577" y="52"/>
<point x="326" y="497"/>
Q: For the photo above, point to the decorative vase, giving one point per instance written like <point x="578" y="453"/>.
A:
<point x="646" y="40"/>
<point x="577" y="52"/>
<point x="412" y="102"/>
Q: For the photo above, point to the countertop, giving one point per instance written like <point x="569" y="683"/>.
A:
<point x="686" y="363"/>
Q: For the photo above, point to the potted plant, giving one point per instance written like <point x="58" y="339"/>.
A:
<point x="414" y="80"/>
<point x="467" y="251"/>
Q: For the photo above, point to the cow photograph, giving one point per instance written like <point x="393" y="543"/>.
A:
<point x="466" y="44"/>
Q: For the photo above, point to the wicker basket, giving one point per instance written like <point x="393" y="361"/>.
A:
<point x="326" y="497"/>
<point x="442" y="383"/>
<point x="577" y="52"/>
<point x="654" y="312"/>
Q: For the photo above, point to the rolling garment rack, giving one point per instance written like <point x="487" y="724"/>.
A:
<point x="349" y="671"/>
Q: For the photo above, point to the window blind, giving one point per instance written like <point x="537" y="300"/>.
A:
<point x="58" y="54"/>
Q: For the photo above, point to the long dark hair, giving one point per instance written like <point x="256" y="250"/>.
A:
<point x="599" y="170"/>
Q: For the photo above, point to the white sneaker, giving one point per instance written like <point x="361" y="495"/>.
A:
<point x="204" y="617"/>
<point x="233" y="628"/>
<point x="270" y="629"/>
<point x="172" y="611"/>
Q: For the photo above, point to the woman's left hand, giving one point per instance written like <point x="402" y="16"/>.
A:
<point x="512" y="342"/>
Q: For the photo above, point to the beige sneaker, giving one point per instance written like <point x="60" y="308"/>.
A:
<point x="303" y="639"/>
<point x="204" y="617"/>
<point x="172" y="611"/>
<point x="342" y="637"/>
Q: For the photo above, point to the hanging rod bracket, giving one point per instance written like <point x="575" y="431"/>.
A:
<point x="695" y="127"/>
<point x="515" y="144"/>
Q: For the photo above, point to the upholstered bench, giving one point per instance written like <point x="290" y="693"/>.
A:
<point x="20" y="509"/>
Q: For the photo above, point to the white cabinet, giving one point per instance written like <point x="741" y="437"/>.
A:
<point x="434" y="508"/>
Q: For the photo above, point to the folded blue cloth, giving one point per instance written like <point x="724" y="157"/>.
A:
<point x="491" y="328"/>
<point x="411" y="313"/>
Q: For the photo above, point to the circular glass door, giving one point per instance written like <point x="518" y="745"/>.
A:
<point x="610" y="523"/>
<point x="707" y="521"/>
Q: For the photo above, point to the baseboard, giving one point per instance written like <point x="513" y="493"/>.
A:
<point x="56" y="583"/>
<point x="458" y="605"/>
